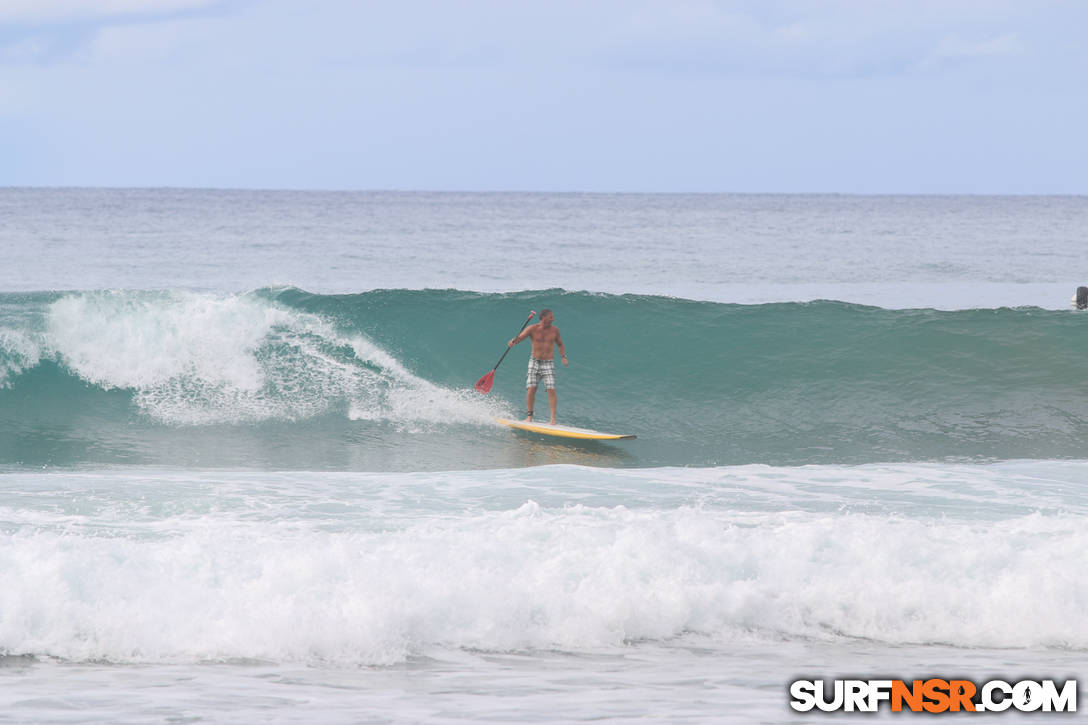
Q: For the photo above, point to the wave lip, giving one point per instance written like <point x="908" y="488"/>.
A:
<point x="18" y="352"/>
<point x="198" y="359"/>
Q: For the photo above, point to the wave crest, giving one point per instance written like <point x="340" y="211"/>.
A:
<point x="198" y="359"/>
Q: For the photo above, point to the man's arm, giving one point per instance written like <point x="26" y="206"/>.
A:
<point x="524" y="334"/>
<point x="562" y="350"/>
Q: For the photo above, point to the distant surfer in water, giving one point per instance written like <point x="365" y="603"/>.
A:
<point x="545" y="338"/>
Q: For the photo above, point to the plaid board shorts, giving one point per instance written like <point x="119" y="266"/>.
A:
<point x="540" y="370"/>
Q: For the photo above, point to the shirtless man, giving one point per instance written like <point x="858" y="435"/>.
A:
<point x="545" y="337"/>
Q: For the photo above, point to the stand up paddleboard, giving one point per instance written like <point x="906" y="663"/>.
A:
<point x="562" y="431"/>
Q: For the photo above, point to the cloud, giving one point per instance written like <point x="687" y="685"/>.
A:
<point x="846" y="38"/>
<point x="63" y="11"/>
<point x="955" y="50"/>
<point x="611" y="94"/>
<point x="146" y="43"/>
<point x="82" y="32"/>
<point x="27" y="50"/>
<point x="836" y="38"/>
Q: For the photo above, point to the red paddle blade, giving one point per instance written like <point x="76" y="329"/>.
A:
<point x="483" y="385"/>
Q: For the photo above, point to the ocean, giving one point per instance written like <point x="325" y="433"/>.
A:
<point x="244" y="475"/>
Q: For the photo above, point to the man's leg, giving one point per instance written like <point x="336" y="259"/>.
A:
<point x="551" y="403"/>
<point x="530" y="396"/>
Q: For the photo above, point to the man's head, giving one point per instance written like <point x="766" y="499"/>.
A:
<point x="546" y="317"/>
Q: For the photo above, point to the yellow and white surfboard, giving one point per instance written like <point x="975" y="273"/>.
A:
<point x="563" y="431"/>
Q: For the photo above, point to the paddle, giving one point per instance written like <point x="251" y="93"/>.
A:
<point x="483" y="385"/>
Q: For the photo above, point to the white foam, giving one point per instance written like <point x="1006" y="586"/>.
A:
<point x="18" y="352"/>
<point x="219" y="587"/>
<point x="195" y="359"/>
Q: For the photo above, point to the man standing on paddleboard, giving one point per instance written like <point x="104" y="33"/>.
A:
<point x="545" y="337"/>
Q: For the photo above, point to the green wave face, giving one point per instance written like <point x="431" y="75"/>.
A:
<point x="282" y="378"/>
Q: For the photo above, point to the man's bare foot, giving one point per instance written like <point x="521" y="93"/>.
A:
<point x="529" y="417"/>
<point x="551" y="422"/>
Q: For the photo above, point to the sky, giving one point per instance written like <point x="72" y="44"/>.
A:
<point x="839" y="96"/>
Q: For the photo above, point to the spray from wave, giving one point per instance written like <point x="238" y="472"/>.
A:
<point x="197" y="359"/>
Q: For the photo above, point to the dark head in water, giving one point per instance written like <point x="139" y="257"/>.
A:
<point x="1081" y="298"/>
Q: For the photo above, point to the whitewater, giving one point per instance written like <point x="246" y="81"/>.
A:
<point x="244" y="475"/>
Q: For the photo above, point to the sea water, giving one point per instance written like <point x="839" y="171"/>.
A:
<point x="244" y="477"/>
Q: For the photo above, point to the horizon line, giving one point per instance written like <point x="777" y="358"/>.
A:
<point x="523" y="192"/>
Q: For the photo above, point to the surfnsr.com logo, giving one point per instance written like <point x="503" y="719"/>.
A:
<point x="934" y="695"/>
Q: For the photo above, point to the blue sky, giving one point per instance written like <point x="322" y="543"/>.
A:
<point x="857" y="96"/>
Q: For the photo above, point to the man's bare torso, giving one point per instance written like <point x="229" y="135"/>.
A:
<point x="544" y="339"/>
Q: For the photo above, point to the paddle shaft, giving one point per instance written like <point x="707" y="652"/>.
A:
<point x="508" y="349"/>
